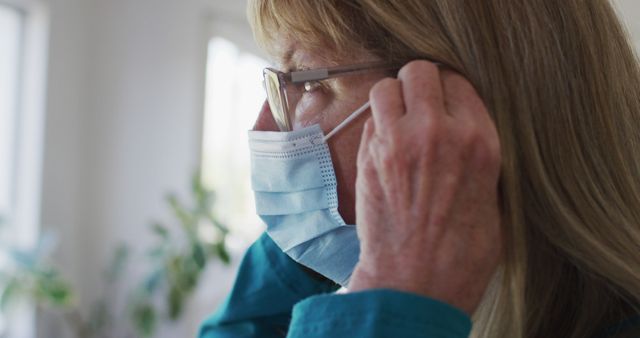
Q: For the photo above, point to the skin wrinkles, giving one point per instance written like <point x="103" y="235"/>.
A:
<point x="424" y="163"/>
<point x="331" y="105"/>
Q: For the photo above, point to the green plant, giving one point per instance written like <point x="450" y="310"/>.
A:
<point x="177" y="270"/>
<point x="177" y="261"/>
<point x="29" y="275"/>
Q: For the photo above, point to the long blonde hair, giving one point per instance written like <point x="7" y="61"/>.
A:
<point x="562" y="84"/>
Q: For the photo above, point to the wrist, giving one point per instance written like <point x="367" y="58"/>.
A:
<point x="365" y="280"/>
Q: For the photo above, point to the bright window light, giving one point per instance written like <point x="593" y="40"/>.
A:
<point x="234" y="96"/>
<point x="11" y="24"/>
<point x="10" y="36"/>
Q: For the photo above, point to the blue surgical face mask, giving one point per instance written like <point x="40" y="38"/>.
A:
<point x="295" y="188"/>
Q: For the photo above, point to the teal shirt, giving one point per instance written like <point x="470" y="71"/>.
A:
<point x="274" y="297"/>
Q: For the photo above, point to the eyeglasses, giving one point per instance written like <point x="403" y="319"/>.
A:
<point x="283" y="99"/>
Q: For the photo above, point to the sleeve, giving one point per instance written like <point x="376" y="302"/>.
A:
<point x="377" y="313"/>
<point x="267" y="286"/>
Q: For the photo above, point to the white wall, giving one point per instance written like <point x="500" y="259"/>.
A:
<point x="125" y="102"/>
<point x="629" y="10"/>
<point x="66" y="101"/>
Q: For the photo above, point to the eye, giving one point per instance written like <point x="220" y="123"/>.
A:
<point x="311" y="86"/>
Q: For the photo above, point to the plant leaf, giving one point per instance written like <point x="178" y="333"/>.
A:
<point x="144" y="319"/>
<point x="153" y="281"/>
<point x="186" y="219"/>
<point x="221" y="251"/>
<point x="198" y="190"/>
<point x="24" y="259"/>
<point x="218" y="224"/>
<point x="198" y="255"/>
<point x="54" y="290"/>
<point x="118" y="262"/>
<point x="9" y="294"/>
<point x="160" y="230"/>
<point x="176" y="300"/>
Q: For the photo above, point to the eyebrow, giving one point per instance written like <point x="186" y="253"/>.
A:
<point x="286" y="61"/>
<point x="287" y="56"/>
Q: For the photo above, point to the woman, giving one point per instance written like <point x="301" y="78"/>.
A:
<point x="495" y="181"/>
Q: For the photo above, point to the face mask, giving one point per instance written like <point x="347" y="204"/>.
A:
<point x="295" y="188"/>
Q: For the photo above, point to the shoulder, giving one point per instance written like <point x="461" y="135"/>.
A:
<point x="629" y="328"/>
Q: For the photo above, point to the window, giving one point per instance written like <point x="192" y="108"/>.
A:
<point x="23" y="44"/>
<point x="10" y="45"/>
<point x="234" y="96"/>
<point x="11" y="22"/>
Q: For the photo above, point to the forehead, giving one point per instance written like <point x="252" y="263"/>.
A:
<point x="287" y="52"/>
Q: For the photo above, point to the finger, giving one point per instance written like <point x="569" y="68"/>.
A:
<point x="387" y="105"/>
<point x="363" y="150"/>
<point x="422" y="89"/>
<point x="367" y="180"/>
<point x="466" y="106"/>
<point x="462" y="100"/>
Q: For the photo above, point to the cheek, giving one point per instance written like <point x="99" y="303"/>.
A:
<point x="344" y="152"/>
<point x="309" y="110"/>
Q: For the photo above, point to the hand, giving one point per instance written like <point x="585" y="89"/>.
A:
<point x="427" y="207"/>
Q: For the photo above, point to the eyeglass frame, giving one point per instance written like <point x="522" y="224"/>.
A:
<point x="318" y="74"/>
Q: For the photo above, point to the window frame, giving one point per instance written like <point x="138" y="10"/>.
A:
<point x="28" y="144"/>
<point x="18" y="103"/>
<point x="29" y="121"/>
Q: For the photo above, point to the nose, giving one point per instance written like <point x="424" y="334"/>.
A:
<point x="265" y="121"/>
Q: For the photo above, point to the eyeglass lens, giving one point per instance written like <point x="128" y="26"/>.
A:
<point x="276" y="99"/>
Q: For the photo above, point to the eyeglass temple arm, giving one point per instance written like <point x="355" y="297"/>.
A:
<point x="325" y="73"/>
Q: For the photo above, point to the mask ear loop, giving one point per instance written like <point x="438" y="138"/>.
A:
<point x="348" y="120"/>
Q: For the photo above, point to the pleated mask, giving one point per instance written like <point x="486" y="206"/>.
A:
<point x="295" y="189"/>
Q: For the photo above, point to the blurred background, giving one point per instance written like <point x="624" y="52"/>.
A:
<point x="125" y="203"/>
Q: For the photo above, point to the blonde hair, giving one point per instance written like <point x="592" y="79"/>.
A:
<point x="562" y="84"/>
